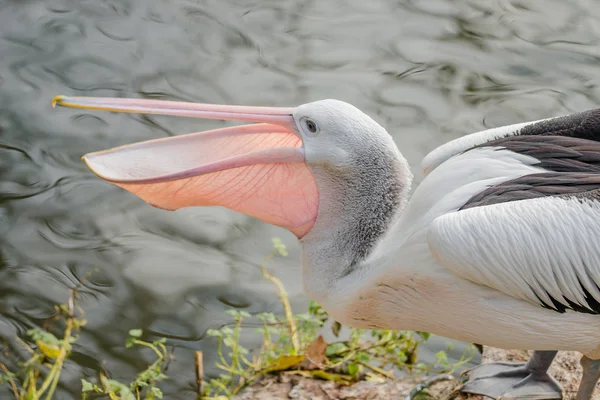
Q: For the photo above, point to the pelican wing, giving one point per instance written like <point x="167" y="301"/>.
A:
<point x="581" y="125"/>
<point x="539" y="242"/>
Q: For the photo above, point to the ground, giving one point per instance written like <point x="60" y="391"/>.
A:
<point x="565" y="369"/>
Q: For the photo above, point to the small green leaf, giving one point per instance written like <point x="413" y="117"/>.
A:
<point x="112" y="385"/>
<point x="402" y="358"/>
<point x="353" y="369"/>
<point x="214" y="332"/>
<point x="227" y="331"/>
<point x="442" y="358"/>
<point x="335" y="348"/>
<point x="160" y="376"/>
<point x="136" y="333"/>
<point x="267" y="317"/>
<point x="80" y="322"/>
<point x="157" y="392"/>
<point x="117" y="387"/>
<point x="86" y="386"/>
<point x="425" y="335"/>
<point x="43" y="336"/>
<point x="4" y="378"/>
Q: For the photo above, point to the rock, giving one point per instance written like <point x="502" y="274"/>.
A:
<point x="286" y="386"/>
<point x="565" y="369"/>
<point x="268" y="388"/>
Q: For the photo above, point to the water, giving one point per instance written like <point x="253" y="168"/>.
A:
<point x="429" y="71"/>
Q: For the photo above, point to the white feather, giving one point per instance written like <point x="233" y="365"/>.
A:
<point x="525" y="248"/>
<point x="456" y="146"/>
<point x="451" y="185"/>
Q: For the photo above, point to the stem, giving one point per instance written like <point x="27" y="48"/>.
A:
<point x="247" y="379"/>
<point x="106" y="389"/>
<point x="463" y="360"/>
<point x="32" y="383"/>
<point x="267" y="337"/>
<point x="375" y="369"/>
<point x="153" y="347"/>
<point x="29" y="349"/>
<point x="199" y="362"/>
<point x="24" y="387"/>
<point x="235" y="352"/>
<point x="13" y="385"/>
<point x="246" y="361"/>
<point x="231" y="370"/>
<point x="220" y="351"/>
<point x="284" y="300"/>
<point x="54" y="374"/>
<point x="223" y="388"/>
<point x="163" y="349"/>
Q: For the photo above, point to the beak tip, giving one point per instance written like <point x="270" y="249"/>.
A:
<point x="85" y="158"/>
<point x="58" y="100"/>
<point x="94" y="167"/>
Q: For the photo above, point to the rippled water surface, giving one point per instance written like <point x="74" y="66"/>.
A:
<point x="428" y="70"/>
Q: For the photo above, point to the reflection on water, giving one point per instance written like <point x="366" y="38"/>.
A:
<point x="428" y="70"/>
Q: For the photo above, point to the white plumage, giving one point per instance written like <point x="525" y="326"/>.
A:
<point x="553" y="242"/>
<point x="454" y="147"/>
<point x="469" y="294"/>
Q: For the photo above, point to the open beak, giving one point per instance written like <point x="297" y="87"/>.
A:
<point x="257" y="169"/>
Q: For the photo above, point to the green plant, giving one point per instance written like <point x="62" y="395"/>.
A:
<point x="291" y="345"/>
<point x="39" y="375"/>
<point x="144" y="385"/>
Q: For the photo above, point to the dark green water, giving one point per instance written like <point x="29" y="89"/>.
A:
<point x="429" y="71"/>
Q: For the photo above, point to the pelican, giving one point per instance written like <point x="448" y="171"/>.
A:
<point x="499" y="244"/>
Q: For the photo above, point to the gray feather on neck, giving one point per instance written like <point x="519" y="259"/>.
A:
<point x="357" y="205"/>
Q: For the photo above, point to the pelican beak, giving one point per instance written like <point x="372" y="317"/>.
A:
<point x="258" y="169"/>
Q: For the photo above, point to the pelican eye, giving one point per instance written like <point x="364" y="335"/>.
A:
<point x="311" y="126"/>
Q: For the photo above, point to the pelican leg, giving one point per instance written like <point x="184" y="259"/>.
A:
<point x="591" y="374"/>
<point x="515" y="380"/>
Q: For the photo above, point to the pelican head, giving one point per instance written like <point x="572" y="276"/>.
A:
<point x="323" y="170"/>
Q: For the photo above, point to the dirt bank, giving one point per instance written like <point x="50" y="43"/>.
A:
<point x="565" y="369"/>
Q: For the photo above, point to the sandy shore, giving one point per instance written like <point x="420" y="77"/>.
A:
<point x="565" y="369"/>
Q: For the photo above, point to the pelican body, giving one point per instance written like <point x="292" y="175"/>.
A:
<point x="499" y="244"/>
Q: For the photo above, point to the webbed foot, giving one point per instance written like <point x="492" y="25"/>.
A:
<point x="505" y="381"/>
